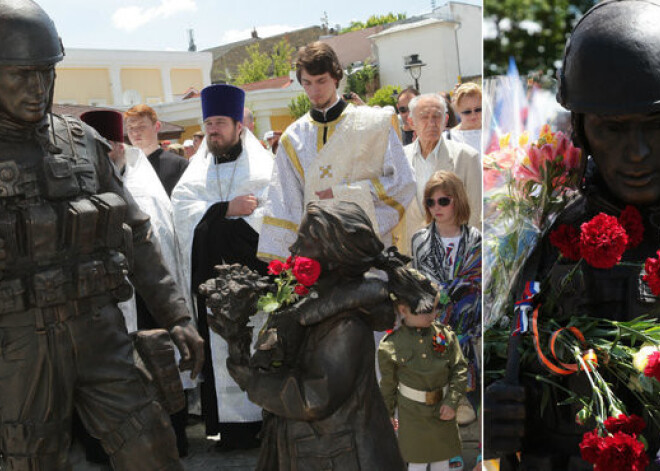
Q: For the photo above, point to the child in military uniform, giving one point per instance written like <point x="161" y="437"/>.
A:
<point x="424" y="375"/>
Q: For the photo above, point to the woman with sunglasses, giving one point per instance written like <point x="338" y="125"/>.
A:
<point x="467" y="104"/>
<point x="448" y="251"/>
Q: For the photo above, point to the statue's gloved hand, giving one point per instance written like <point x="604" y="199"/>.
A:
<point x="190" y="345"/>
<point x="240" y="373"/>
<point x="504" y="417"/>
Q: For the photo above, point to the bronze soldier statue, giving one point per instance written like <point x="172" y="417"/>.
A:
<point x="69" y="233"/>
<point x="610" y="81"/>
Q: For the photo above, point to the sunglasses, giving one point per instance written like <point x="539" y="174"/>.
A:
<point x="443" y="201"/>
<point x="402" y="109"/>
<point x="469" y="112"/>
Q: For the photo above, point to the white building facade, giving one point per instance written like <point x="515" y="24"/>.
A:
<point x="448" y="41"/>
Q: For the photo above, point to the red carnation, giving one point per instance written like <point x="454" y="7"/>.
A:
<point x="590" y="446"/>
<point x="631" y="220"/>
<point x="306" y="270"/>
<point x="632" y="425"/>
<point x="652" y="369"/>
<point x="275" y="267"/>
<point x="300" y="290"/>
<point x="602" y="241"/>
<point x="567" y="239"/>
<point x="652" y="276"/>
<point x="621" y="451"/>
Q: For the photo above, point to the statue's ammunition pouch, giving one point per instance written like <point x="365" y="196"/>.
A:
<point x="59" y="242"/>
<point x="154" y="357"/>
<point x="112" y="213"/>
<point x="80" y="222"/>
<point x="9" y="236"/>
<point x="49" y="287"/>
<point x="60" y="179"/>
<point x="40" y="232"/>
<point x="12" y="297"/>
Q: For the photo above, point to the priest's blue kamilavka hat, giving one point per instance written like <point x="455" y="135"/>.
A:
<point x="223" y="100"/>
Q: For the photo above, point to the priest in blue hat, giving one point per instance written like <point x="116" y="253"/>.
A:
<point x="218" y="211"/>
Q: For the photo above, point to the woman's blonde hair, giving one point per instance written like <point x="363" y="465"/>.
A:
<point x="465" y="90"/>
<point x="451" y="185"/>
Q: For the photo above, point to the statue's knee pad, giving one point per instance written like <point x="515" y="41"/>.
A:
<point x="145" y="440"/>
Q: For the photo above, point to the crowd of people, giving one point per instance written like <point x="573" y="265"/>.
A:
<point x="166" y="216"/>
<point x="233" y="201"/>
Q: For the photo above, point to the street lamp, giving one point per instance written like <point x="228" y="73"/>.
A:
<point x="413" y="65"/>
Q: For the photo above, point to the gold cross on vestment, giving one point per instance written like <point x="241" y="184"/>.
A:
<point x="326" y="171"/>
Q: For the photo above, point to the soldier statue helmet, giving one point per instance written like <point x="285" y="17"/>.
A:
<point x="610" y="81"/>
<point x="31" y="48"/>
<point x="28" y="35"/>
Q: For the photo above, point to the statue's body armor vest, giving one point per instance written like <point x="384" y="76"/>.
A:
<point x="61" y="240"/>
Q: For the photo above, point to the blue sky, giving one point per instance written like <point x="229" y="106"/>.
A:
<point x="163" y="24"/>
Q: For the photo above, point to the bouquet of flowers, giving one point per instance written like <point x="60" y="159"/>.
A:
<point x="294" y="278"/>
<point x="604" y="351"/>
<point x="525" y="187"/>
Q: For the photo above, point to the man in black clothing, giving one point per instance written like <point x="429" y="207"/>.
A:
<point x="142" y="126"/>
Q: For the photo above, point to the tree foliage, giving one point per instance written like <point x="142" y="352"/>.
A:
<point x="374" y="20"/>
<point x="282" y="56"/>
<point x="385" y="96"/>
<point x="361" y="80"/>
<point x="534" y="32"/>
<point x="262" y="65"/>
<point x="255" y="67"/>
<point x="299" y="105"/>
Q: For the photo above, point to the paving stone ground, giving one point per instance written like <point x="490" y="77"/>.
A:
<point x="203" y="456"/>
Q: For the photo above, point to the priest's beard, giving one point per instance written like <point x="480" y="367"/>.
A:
<point x="219" y="148"/>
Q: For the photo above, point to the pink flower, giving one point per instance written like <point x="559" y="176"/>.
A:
<point x="492" y="179"/>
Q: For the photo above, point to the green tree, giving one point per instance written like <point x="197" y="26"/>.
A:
<point x="254" y="68"/>
<point x="282" y="56"/>
<point x="299" y="105"/>
<point x="361" y="80"/>
<point x="374" y="20"/>
<point x="533" y="32"/>
<point x="385" y="96"/>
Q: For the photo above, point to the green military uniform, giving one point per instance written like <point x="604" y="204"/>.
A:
<point x="407" y="356"/>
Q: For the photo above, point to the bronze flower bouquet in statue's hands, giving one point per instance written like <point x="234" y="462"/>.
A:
<point x="231" y="300"/>
<point x="238" y="293"/>
<point x="282" y="332"/>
